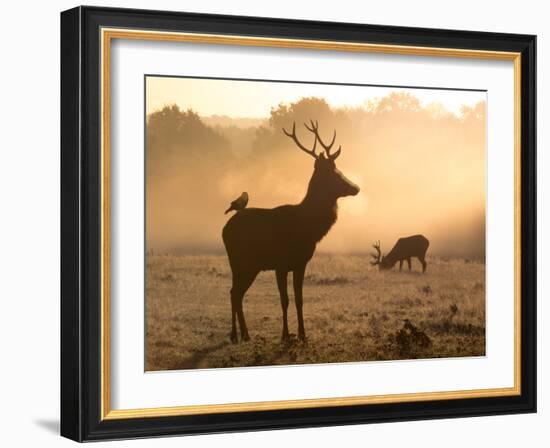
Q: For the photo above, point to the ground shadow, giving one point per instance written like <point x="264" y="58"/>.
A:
<point x="192" y="362"/>
<point x="49" y="425"/>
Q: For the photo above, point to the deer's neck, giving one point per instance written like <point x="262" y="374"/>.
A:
<point x="319" y="212"/>
<point x="391" y="258"/>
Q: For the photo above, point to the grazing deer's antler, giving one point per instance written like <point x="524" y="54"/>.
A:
<point x="377" y="255"/>
<point x="315" y="129"/>
<point x="293" y="136"/>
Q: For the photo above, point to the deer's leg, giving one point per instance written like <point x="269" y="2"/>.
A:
<point x="241" y="283"/>
<point x="400" y="264"/>
<point x="409" y="263"/>
<point x="283" y="292"/>
<point x="233" y="319"/>
<point x="298" y="282"/>
<point x="424" y="264"/>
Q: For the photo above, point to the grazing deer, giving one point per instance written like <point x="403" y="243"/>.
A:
<point x="284" y="238"/>
<point x="404" y="249"/>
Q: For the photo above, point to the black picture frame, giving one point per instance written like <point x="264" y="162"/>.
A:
<point x="81" y="227"/>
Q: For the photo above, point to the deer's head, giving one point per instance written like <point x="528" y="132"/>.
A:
<point x="327" y="180"/>
<point x="379" y="259"/>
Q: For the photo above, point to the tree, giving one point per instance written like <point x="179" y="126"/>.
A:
<point x="175" y="136"/>
<point x="271" y="138"/>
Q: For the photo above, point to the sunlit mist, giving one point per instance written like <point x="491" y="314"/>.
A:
<point x="418" y="156"/>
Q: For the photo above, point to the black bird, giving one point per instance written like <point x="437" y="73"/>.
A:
<point x="239" y="203"/>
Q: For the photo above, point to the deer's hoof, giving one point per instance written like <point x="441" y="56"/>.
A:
<point x="234" y="338"/>
<point x="245" y="337"/>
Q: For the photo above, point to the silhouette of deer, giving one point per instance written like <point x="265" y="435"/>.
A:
<point x="284" y="238"/>
<point x="404" y="249"/>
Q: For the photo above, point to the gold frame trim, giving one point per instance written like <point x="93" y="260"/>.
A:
<point x="107" y="35"/>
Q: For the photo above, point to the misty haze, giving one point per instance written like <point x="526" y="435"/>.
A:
<point x="418" y="159"/>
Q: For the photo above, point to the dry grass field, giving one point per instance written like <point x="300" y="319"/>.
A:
<point x="352" y="312"/>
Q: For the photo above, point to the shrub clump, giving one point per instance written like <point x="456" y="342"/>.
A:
<point x="427" y="289"/>
<point x="410" y="340"/>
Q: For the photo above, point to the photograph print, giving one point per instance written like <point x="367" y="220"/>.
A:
<point x="304" y="223"/>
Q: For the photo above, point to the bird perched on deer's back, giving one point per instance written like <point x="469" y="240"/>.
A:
<point x="239" y="203"/>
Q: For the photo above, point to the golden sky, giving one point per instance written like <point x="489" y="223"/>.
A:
<point x="254" y="99"/>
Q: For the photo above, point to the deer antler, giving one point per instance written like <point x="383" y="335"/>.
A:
<point x="377" y="255"/>
<point x="315" y="129"/>
<point x="293" y="136"/>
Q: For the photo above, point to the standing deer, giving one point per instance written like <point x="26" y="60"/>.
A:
<point x="404" y="249"/>
<point x="284" y="238"/>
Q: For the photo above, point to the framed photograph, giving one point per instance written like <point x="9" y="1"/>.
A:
<point x="273" y="223"/>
